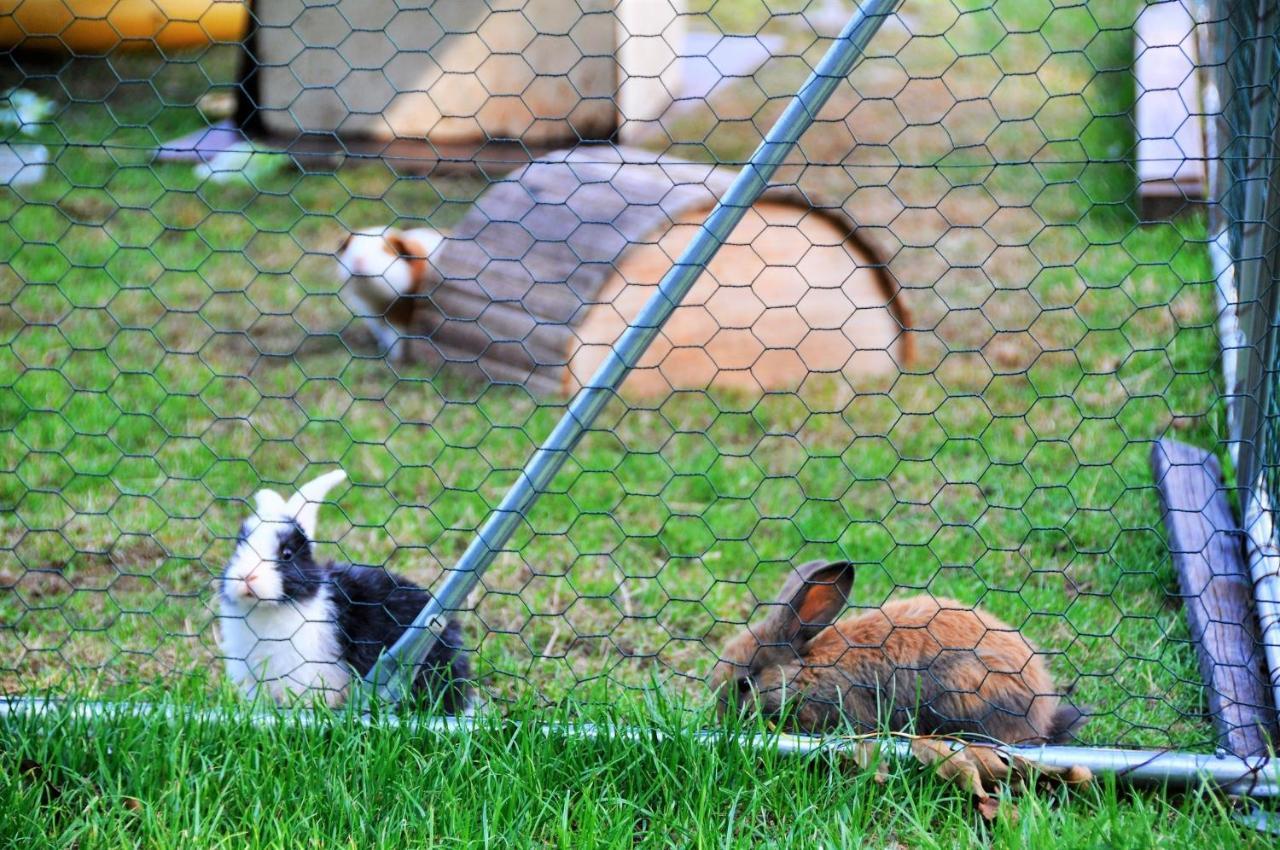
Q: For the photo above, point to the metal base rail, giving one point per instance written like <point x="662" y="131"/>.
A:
<point x="1255" y="777"/>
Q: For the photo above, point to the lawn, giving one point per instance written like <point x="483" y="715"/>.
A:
<point x="143" y="781"/>
<point x="168" y="346"/>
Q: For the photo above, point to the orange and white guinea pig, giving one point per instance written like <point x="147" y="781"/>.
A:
<point x="384" y="268"/>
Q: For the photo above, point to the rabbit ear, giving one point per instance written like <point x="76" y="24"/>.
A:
<point x="810" y="600"/>
<point x="305" y="504"/>
<point x="268" y="504"/>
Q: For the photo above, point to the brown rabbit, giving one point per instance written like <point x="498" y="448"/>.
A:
<point x="932" y="666"/>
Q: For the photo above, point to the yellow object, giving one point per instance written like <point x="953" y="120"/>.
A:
<point x="97" y="26"/>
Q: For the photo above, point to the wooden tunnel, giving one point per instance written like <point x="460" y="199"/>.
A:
<point x="545" y="271"/>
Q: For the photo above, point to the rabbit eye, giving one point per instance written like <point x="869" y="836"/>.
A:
<point x="286" y="554"/>
<point x="744" y="684"/>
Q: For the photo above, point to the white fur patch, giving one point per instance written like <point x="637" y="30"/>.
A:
<point x="252" y="575"/>
<point x="368" y="255"/>
<point x="289" y="649"/>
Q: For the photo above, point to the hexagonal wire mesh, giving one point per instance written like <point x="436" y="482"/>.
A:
<point x="940" y="350"/>
<point x="1242" y="98"/>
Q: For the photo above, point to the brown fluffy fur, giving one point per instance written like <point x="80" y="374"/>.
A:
<point x="931" y="666"/>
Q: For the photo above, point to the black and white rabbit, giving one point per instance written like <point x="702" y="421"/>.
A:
<point x="302" y="631"/>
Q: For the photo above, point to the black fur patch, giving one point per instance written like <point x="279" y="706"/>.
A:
<point x="374" y="609"/>
<point x="300" y="576"/>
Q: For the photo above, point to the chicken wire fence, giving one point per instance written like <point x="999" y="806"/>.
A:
<point x="940" y="347"/>
<point x="1243" y="97"/>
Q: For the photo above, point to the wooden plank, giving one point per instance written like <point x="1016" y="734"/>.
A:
<point x="1168" y="110"/>
<point x="1208" y="553"/>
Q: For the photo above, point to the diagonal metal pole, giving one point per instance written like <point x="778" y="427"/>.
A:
<point x="392" y="677"/>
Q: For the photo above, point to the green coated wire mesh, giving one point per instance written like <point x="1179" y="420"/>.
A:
<point x="940" y="349"/>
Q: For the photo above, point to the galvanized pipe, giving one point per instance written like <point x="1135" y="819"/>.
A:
<point x="1257" y="777"/>
<point x="392" y="676"/>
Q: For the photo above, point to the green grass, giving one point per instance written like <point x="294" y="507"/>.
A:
<point x="142" y="781"/>
<point x="167" y="347"/>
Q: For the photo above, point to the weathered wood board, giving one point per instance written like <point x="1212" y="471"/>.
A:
<point x="1208" y="553"/>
